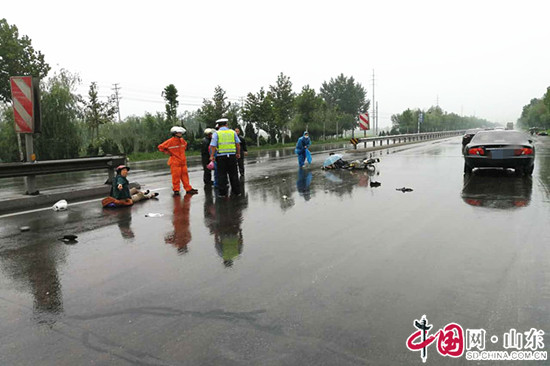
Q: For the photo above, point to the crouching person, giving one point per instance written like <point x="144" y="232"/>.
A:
<point x="121" y="194"/>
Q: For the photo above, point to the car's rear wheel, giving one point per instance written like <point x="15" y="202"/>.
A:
<point x="529" y="170"/>
<point x="467" y="169"/>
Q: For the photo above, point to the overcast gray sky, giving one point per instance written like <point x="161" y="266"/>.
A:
<point x="482" y="58"/>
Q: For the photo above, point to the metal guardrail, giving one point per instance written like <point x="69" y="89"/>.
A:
<point x="397" y="139"/>
<point x="30" y="170"/>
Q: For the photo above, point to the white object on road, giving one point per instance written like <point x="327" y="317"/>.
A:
<point x="60" y="205"/>
<point x="154" y="214"/>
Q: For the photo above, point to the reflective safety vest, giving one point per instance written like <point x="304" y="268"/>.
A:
<point x="226" y="142"/>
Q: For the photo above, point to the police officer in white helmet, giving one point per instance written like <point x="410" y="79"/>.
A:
<point x="225" y="150"/>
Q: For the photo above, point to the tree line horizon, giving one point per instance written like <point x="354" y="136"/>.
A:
<point x="73" y="125"/>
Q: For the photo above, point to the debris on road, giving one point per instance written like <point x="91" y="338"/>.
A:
<point x="375" y="184"/>
<point x="24" y="228"/>
<point x="336" y="161"/>
<point x="69" y="239"/>
<point x="404" y="189"/>
<point x="154" y="214"/>
<point x="60" y="205"/>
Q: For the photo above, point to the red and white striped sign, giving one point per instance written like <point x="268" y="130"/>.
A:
<point x="22" y="98"/>
<point x="364" y="121"/>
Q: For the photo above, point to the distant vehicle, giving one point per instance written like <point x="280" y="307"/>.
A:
<point x="468" y="135"/>
<point x="500" y="149"/>
<point x="542" y="133"/>
<point x="510" y="126"/>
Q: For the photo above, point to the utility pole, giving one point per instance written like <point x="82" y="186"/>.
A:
<point x="373" y="118"/>
<point x="117" y="98"/>
<point x="377" y="118"/>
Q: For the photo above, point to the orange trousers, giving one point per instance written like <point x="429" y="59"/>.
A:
<point x="179" y="174"/>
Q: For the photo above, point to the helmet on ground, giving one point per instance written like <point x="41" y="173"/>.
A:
<point x="177" y="129"/>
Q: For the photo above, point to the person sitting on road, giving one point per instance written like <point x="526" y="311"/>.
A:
<point x="121" y="195"/>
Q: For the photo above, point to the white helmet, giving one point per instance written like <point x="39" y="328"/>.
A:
<point x="208" y="131"/>
<point x="177" y="129"/>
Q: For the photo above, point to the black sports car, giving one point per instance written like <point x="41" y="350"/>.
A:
<point x="500" y="149"/>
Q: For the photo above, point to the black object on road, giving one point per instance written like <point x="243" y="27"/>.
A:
<point x="69" y="239"/>
<point x="404" y="189"/>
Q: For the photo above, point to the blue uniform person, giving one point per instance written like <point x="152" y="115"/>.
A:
<point x="225" y="150"/>
<point x="301" y="148"/>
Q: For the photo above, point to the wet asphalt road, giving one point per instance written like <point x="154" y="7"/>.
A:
<point x="335" y="274"/>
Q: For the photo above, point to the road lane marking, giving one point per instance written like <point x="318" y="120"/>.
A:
<point x="70" y="204"/>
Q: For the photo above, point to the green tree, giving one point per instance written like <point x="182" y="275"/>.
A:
<point x="8" y="139"/>
<point x="347" y="97"/>
<point x="307" y="104"/>
<point x="59" y="137"/>
<point x="258" y="110"/>
<point x="233" y="115"/>
<point x="98" y="112"/>
<point x="214" y="109"/>
<point x="190" y="120"/>
<point x="434" y="119"/>
<point x="537" y="112"/>
<point x="17" y="58"/>
<point x="328" y="118"/>
<point x="250" y="133"/>
<point x="170" y="95"/>
<point x="404" y="122"/>
<point x="282" y="98"/>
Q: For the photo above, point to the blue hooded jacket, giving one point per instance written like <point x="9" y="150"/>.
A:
<point x="302" y="143"/>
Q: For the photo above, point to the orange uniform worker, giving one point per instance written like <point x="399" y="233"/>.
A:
<point x="175" y="147"/>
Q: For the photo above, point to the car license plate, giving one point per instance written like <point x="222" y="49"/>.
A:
<point x="497" y="154"/>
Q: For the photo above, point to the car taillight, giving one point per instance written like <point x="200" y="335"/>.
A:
<point x="473" y="202"/>
<point x="476" y="151"/>
<point x="523" y="151"/>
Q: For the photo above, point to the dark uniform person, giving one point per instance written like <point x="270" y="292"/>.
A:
<point x="244" y="152"/>
<point x="225" y="150"/>
<point x="205" y="156"/>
